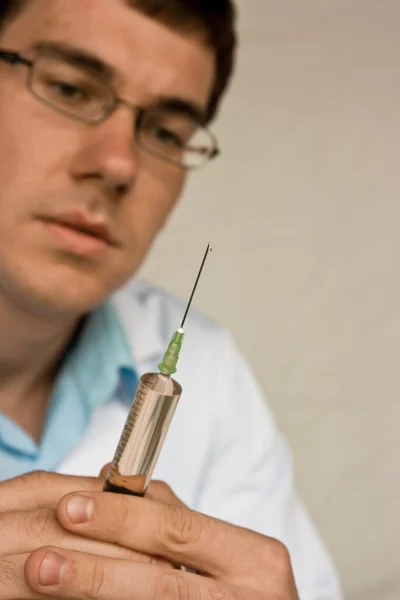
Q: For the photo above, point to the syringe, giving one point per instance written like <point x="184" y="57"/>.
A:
<point x="149" y="419"/>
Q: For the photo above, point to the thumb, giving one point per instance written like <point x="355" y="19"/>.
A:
<point x="105" y="471"/>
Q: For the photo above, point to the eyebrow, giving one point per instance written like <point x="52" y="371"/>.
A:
<point x="181" y="107"/>
<point x="77" y="57"/>
<point x="86" y="60"/>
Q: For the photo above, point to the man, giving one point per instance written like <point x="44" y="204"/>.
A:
<point x="104" y="108"/>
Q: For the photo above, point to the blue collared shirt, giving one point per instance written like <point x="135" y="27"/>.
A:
<point x="97" y="367"/>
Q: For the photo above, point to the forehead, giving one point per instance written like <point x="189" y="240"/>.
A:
<point x="150" y="58"/>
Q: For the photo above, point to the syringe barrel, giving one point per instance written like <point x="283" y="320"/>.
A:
<point x="144" y="434"/>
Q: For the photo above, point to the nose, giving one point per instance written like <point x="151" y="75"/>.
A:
<point x="107" y="153"/>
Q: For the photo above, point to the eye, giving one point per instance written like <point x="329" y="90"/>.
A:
<point x="68" y="91"/>
<point x="166" y="136"/>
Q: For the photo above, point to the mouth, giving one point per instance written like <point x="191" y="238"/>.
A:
<point x="78" y="235"/>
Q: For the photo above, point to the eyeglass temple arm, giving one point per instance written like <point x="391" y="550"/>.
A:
<point x="14" y="58"/>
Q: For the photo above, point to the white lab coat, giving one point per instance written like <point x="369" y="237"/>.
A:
<point x="223" y="455"/>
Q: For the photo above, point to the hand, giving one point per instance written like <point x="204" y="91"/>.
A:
<point x="235" y="564"/>
<point x="28" y="522"/>
<point x="41" y="489"/>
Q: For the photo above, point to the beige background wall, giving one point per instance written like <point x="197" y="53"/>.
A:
<point x="304" y="213"/>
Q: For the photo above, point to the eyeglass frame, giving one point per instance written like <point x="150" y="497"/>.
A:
<point x="16" y="58"/>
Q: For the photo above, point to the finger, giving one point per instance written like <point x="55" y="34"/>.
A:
<point x="13" y="585"/>
<point x="41" y="528"/>
<point x="74" y="575"/>
<point x="161" y="492"/>
<point x="41" y="489"/>
<point x="104" y="471"/>
<point x="167" y="530"/>
<point x="157" y="490"/>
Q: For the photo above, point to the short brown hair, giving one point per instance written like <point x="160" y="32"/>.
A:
<point x="8" y="9"/>
<point x="214" y="19"/>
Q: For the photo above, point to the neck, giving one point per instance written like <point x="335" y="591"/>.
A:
<point x="31" y="348"/>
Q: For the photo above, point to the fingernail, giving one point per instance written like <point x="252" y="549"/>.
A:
<point x="51" y="569"/>
<point x="80" y="509"/>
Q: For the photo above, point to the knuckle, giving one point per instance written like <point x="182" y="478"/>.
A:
<point x="37" y="480"/>
<point x="161" y="487"/>
<point x="281" y="557"/>
<point x="36" y="477"/>
<point x="218" y="593"/>
<point x="18" y="490"/>
<point x="159" y="490"/>
<point x="94" y="582"/>
<point x="172" y="586"/>
<point x="39" y="525"/>
<point x="180" y="526"/>
<point x="7" y="573"/>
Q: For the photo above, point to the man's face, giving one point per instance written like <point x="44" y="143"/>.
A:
<point x="55" y="170"/>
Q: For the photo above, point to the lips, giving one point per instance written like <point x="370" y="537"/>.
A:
<point x="78" y="234"/>
<point x="83" y="224"/>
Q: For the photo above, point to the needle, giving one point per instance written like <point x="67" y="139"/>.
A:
<point x="209" y="249"/>
<point x="171" y="357"/>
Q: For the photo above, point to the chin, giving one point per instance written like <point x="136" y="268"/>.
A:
<point x="63" y="292"/>
<point x="66" y="300"/>
<point x="72" y="302"/>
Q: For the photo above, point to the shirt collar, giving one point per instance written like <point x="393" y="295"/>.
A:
<point x="101" y="358"/>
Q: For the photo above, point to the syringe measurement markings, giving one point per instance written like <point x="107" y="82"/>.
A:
<point x="132" y="417"/>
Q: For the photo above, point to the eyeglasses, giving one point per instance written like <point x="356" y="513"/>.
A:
<point x="81" y="95"/>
